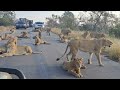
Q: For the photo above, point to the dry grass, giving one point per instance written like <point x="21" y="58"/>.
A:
<point x="72" y="35"/>
<point x="2" y="28"/>
<point x="113" y="52"/>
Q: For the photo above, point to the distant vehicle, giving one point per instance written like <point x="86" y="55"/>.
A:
<point x="38" y="25"/>
<point x="30" y="23"/>
<point x="21" y="24"/>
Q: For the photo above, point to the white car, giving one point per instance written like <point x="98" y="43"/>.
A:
<point x="38" y="25"/>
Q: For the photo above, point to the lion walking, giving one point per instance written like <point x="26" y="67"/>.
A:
<point x="91" y="46"/>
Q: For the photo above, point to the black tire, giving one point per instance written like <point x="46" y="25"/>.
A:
<point x="17" y="28"/>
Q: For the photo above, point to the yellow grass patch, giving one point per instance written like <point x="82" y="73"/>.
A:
<point x="3" y="28"/>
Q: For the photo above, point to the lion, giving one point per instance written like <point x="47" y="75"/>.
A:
<point x="48" y="30"/>
<point x="12" y="49"/>
<point x="12" y="39"/>
<point x="5" y="48"/>
<point x="91" y="46"/>
<point x="24" y="35"/>
<point x="6" y="36"/>
<point x="39" y="41"/>
<point x="63" y="39"/>
<point x="39" y="34"/>
<point x="66" y="31"/>
<point x="96" y="35"/>
<point x="74" y="66"/>
<point x="12" y="30"/>
<point x="0" y="38"/>
<point x="60" y="36"/>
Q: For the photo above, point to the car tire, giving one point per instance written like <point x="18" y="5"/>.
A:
<point x="17" y="28"/>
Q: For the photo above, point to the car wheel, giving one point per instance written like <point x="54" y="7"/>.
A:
<point x="17" y="28"/>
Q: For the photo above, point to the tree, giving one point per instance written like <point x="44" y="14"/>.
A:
<point x="53" y="21"/>
<point x="67" y="20"/>
<point x="100" y="21"/>
<point x="7" y="18"/>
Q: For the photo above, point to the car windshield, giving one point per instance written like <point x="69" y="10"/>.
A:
<point x="38" y="22"/>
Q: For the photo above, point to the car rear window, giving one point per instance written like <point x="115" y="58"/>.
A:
<point x="38" y="22"/>
<point x="20" y="23"/>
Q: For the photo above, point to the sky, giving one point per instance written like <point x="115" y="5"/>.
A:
<point x="41" y="15"/>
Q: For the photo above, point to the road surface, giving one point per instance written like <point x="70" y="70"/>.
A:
<point x="45" y="66"/>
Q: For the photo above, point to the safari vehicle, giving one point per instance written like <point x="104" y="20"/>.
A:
<point x="20" y="24"/>
<point x="38" y="25"/>
<point x="23" y="23"/>
<point x="9" y="73"/>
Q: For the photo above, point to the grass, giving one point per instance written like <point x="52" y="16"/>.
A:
<point x="3" y="28"/>
<point x="113" y="52"/>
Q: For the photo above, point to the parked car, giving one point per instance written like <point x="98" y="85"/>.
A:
<point x="20" y="24"/>
<point x="38" y="25"/>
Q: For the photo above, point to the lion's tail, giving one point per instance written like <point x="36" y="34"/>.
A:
<point x="47" y="43"/>
<point x="63" y="54"/>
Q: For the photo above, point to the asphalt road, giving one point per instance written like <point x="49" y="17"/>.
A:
<point x="45" y="66"/>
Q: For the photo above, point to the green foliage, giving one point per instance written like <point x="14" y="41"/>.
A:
<point x="67" y="20"/>
<point x="7" y="18"/>
<point x="115" y="31"/>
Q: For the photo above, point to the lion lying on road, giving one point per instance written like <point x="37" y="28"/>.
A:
<point x="74" y="67"/>
<point x="6" y="36"/>
<point x="91" y="46"/>
<point x="12" y="30"/>
<point x="24" y="35"/>
<point x="39" y="41"/>
<point x="11" y="49"/>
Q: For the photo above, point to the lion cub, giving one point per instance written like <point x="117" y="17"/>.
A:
<point x="74" y="67"/>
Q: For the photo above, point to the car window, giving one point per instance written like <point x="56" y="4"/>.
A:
<point x="38" y="22"/>
<point x="20" y="23"/>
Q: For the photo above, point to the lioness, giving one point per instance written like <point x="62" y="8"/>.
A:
<point x="91" y="46"/>
<point x="39" y="34"/>
<point x="6" y="36"/>
<point x="11" y="49"/>
<point x="12" y="30"/>
<point x="66" y="31"/>
<point x="48" y="30"/>
<point x="39" y="41"/>
<point x="88" y="34"/>
<point x="24" y="35"/>
<point x="60" y="36"/>
<point x="74" y="66"/>
<point x="12" y="39"/>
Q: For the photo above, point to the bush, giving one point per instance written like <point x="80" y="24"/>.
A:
<point x="6" y="22"/>
<point x="115" y="31"/>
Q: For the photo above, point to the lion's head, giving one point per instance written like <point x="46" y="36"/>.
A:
<point x="12" y="39"/>
<point x="86" y="34"/>
<point x="78" y="62"/>
<point x="106" y="42"/>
